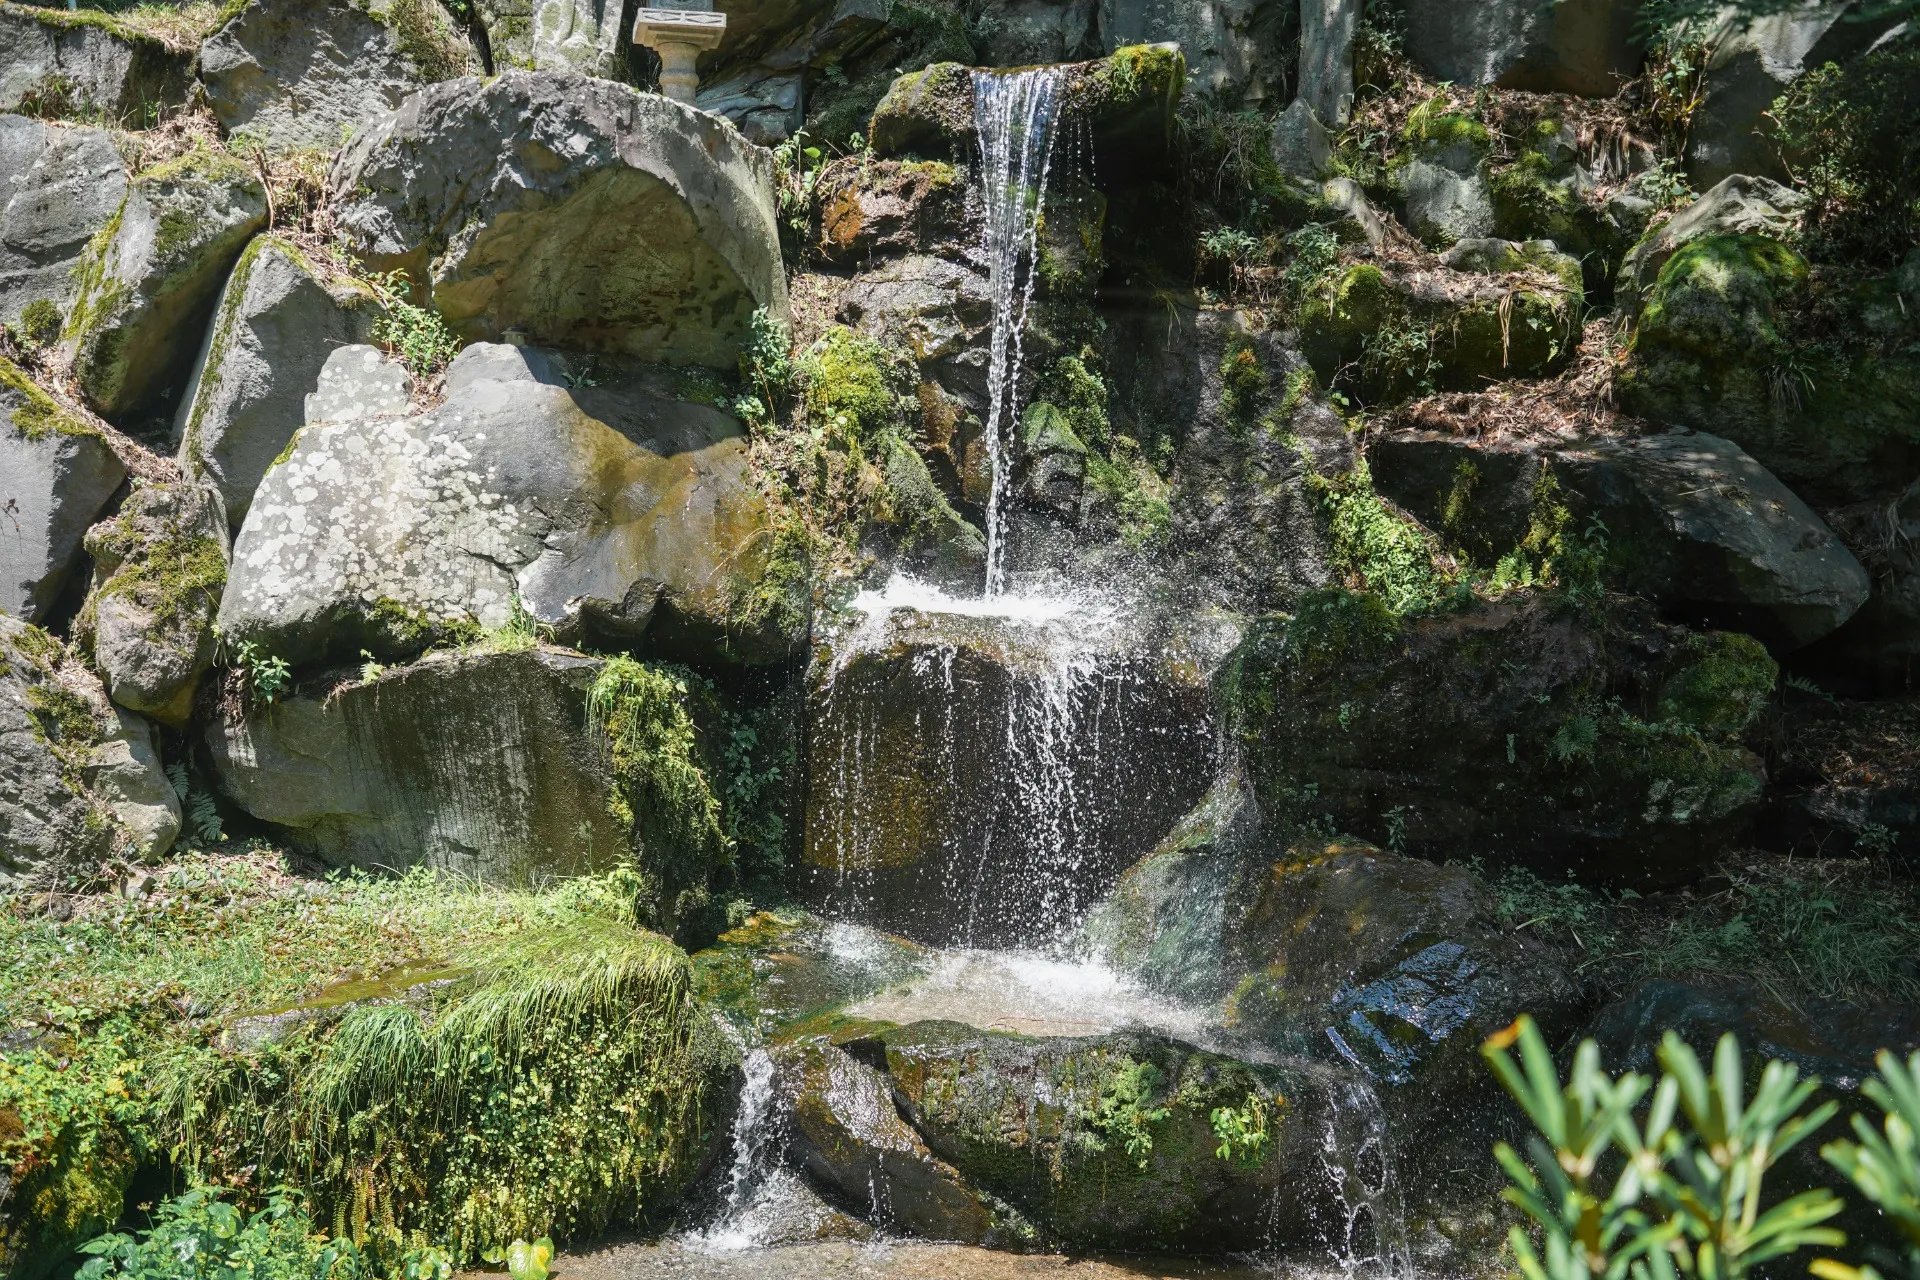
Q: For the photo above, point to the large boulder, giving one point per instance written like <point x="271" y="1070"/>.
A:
<point x="1738" y="205"/>
<point x="1233" y="46"/>
<point x="1720" y="347"/>
<point x="1691" y="521"/>
<point x="583" y="212"/>
<point x="1753" y="62"/>
<point x="952" y="754"/>
<point x="1110" y="1142"/>
<point x="1327" y="28"/>
<point x="1519" y="731"/>
<point x="158" y="568"/>
<point x="610" y="510"/>
<point x="1576" y="46"/>
<point x="56" y="473"/>
<point x="486" y="763"/>
<point x="148" y="282"/>
<point x="1445" y="183"/>
<point x="278" y="322"/>
<point x="61" y="184"/>
<point x="306" y="74"/>
<point x="78" y="780"/>
<point x="84" y="61"/>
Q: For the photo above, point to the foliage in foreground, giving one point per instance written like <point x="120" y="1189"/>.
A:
<point x="199" y="1234"/>
<point x="1677" y="1187"/>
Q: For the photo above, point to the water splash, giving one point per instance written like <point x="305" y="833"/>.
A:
<point x="1368" y="1238"/>
<point x="1013" y="115"/>
<point x="757" y="1154"/>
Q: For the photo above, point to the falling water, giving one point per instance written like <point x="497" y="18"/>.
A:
<point x="1014" y="116"/>
<point x="756" y="1155"/>
<point x="1368" y="1239"/>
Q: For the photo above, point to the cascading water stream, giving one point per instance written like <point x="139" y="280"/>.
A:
<point x="1013" y="114"/>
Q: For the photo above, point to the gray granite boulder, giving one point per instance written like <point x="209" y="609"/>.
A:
<point x="158" y="569"/>
<point x="1327" y="29"/>
<point x="361" y="381"/>
<point x="79" y="780"/>
<point x="610" y="510"/>
<point x="59" y="184"/>
<point x="278" y="322"/>
<point x="307" y="73"/>
<point x="1691" y="521"/>
<point x="56" y="473"/>
<point x="1573" y="46"/>
<point x="1447" y="199"/>
<point x="591" y="215"/>
<point x="1737" y="205"/>
<point x="68" y="61"/>
<point x="148" y="283"/>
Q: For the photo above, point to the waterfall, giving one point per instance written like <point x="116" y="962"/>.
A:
<point x="757" y="1156"/>
<point x="1368" y="1240"/>
<point x="1014" y="117"/>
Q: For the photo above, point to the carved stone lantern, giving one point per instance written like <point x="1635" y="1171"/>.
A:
<point x="679" y="35"/>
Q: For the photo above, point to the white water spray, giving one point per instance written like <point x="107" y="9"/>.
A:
<point x="1013" y="115"/>
<point x="1369" y="1240"/>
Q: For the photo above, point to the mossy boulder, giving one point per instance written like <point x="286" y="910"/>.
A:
<point x="1111" y="1141"/>
<point x="60" y="475"/>
<point x="612" y="510"/>
<point x="306" y="74"/>
<point x="1126" y="99"/>
<point x="78" y="179"/>
<point x="646" y="229"/>
<point x="1739" y="205"/>
<point x="922" y="767"/>
<point x="87" y="63"/>
<point x="1716" y="350"/>
<point x="1444" y="185"/>
<point x="1690" y="521"/>
<point x="82" y="780"/>
<point x="1521" y="731"/>
<point x="868" y="207"/>
<point x="1546" y="194"/>
<point x="159" y="566"/>
<point x="150" y="278"/>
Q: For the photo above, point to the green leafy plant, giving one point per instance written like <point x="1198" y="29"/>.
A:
<point x="1884" y="1164"/>
<point x="524" y="1261"/>
<point x="1243" y="1132"/>
<point x="1123" y="1112"/>
<point x="198" y="1235"/>
<point x="766" y="368"/>
<point x="267" y="676"/>
<point x="1688" y="1196"/>
<point x="417" y="335"/>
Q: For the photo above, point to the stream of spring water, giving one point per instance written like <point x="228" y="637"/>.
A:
<point x="1013" y="115"/>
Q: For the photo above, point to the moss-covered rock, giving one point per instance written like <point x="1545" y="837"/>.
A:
<point x="1115" y="1141"/>
<point x="78" y="179"/>
<point x="1126" y="99"/>
<point x="867" y="207"/>
<point x="779" y="969"/>
<point x="87" y="63"/>
<point x="158" y="570"/>
<point x="1716" y="350"/>
<point x="1521" y="731"/>
<point x="149" y="280"/>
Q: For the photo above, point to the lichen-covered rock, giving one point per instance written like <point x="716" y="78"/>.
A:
<point x="611" y="510"/>
<point x="78" y="779"/>
<point x="1445" y="184"/>
<point x="1739" y="205"/>
<point x="1517" y="731"/>
<point x="56" y="473"/>
<point x="360" y="381"/>
<point x="847" y="1135"/>
<point x="484" y="763"/>
<point x="149" y="279"/>
<point x="296" y="74"/>
<point x="158" y="569"/>
<point x="1715" y="351"/>
<point x="278" y="323"/>
<point x="591" y="215"/>
<point x="1125" y="99"/>
<point x="1578" y="46"/>
<point x="1691" y="521"/>
<point x="1109" y="1141"/>
<point x="871" y="207"/>
<point x="64" y="61"/>
<point x="61" y="183"/>
<point x="926" y="788"/>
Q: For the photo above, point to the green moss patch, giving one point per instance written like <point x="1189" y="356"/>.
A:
<point x="34" y="414"/>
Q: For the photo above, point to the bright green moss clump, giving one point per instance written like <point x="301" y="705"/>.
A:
<point x="33" y="413"/>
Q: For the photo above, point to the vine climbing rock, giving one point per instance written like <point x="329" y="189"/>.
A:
<point x="585" y="213"/>
<point x="612" y="511"/>
<point x="88" y="64"/>
<point x="281" y="319"/>
<point x="158" y="568"/>
<point x="298" y="74"/>
<point x="61" y="184"/>
<point x="484" y="763"/>
<point x="56" y="474"/>
<point x="1521" y="731"/>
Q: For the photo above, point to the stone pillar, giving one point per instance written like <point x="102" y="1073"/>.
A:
<point x="679" y="36"/>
